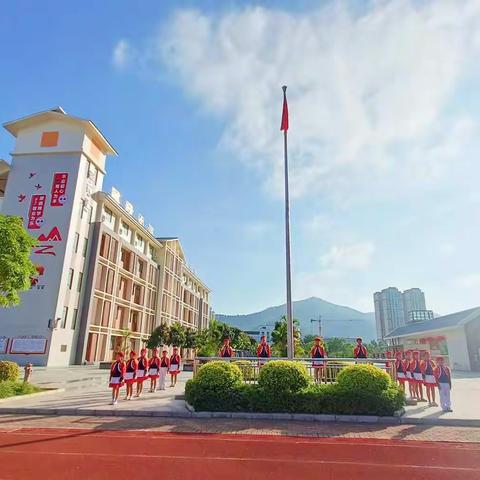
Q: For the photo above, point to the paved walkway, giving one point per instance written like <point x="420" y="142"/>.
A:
<point x="10" y="423"/>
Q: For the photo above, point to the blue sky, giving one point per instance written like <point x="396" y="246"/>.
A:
<point x="384" y="105"/>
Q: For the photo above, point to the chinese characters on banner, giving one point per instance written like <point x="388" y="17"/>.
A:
<point x="59" y="189"/>
<point x="35" y="213"/>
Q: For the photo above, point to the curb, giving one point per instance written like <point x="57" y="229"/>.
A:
<point x="44" y="392"/>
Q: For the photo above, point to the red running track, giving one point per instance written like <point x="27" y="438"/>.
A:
<point x="91" y="454"/>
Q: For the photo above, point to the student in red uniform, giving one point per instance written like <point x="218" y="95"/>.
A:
<point x="408" y="373"/>
<point x="154" y="370"/>
<point x="164" y="365"/>
<point x="226" y="351"/>
<point x="429" y="380"/>
<point x="400" y="369"/>
<point x="142" y="371"/>
<point x="416" y="369"/>
<point x="263" y="350"/>
<point x="131" y="374"/>
<point x="117" y="373"/>
<point x="444" y="381"/>
<point x="175" y="360"/>
<point x="317" y="352"/>
<point x="360" y="351"/>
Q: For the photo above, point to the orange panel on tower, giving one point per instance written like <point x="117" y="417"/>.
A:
<point x="49" y="139"/>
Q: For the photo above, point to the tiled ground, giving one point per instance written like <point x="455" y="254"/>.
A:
<point x="252" y="427"/>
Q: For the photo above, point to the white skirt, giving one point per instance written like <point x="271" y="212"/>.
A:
<point x="115" y="380"/>
<point x="173" y="368"/>
<point x="430" y="379"/>
<point x="418" y="376"/>
<point x="153" y="371"/>
<point x="141" y="373"/>
<point x="129" y="375"/>
<point x="408" y="375"/>
<point x="401" y="375"/>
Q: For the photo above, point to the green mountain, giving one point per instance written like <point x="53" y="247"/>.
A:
<point x="337" y="320"/>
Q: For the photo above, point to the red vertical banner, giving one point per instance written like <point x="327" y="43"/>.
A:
<point x="35" y="213"/>
<point x="59" y="189"/>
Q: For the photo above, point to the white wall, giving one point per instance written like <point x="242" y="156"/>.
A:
<point x="457" y="349"/>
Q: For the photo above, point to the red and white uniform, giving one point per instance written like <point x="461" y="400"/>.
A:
<point x="428" y="370"/>
<point x="164" y="366"/>
<point x="226" y="351"/>
<point x="444" y="382"/>
<point x="175" y="360"/>
<point x="117" y="373"/>
<point x="131" y="371"/>
<point x="154" y="367"/>
<point x="263" y="351"/>
<point x="408" y="372"/>
<point x="317" y="352"/>
<point x="416" y="370"/>
<point x="360" y="351"/>
<point x="400" y="367"/>
<point x="142" y="370"/>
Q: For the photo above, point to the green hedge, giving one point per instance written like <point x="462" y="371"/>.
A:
<point x="9" y="371"/>
<point x="283" y="376"/>
<point x="362" y="378"/>
<point x="9" y="388"/>
<point x="315" y="399"/>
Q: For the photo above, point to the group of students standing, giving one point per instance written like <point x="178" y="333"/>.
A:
<point x="419" y="370"/>
<point x="136" y="371"/>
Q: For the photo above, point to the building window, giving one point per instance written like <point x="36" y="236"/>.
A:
<point x="92" y="173"/>
<point x="85" y="246"/>
<point x="79" y="282"/>
<point x="77" y="239"/>
<point x="70" y="279"/>
<point x="125" y="231"/>
<point x="64" y="317"/>
<point x="140" y="243"/>
<point x="74" y="319"/>
<point x="49" y="139"/>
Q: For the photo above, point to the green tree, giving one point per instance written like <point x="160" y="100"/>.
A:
<point x="159" y="336"/>
<point x="16" y="268"/>
<point x="244" y="342"/>
<point x="190" y="338"/>
<point x="279" y="337"/>
<point x="176" y="335"/>
<point x="339" y="347"/>
<point x="376" y="348"/>
<point x="126" y="334"/>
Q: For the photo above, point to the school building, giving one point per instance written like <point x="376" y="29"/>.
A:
<point x="104" y="279"/>
<point x="456" y="336"/>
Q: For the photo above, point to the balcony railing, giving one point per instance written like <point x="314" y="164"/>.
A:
<point x="250" y="366"/>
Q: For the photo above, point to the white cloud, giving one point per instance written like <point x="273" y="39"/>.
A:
<point x="348" y="257"/>
<point x="368" y="92"/>
<point x="123" y="53"/>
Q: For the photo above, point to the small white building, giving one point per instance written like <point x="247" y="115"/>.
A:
<point x="457" y="333"/>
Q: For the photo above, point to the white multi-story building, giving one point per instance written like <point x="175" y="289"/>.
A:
<point x="103" y="277"/>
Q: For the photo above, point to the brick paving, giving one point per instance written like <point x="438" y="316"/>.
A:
<point x="241" y="426"/>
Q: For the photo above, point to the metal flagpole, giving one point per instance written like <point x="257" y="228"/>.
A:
<point x="290" y="337"/>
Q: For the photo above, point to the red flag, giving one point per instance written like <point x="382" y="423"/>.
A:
<point x="284" y="125"/>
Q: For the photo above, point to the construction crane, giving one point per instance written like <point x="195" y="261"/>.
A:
<point x="319" y="320"/>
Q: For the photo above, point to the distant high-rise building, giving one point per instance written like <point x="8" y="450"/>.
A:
<point x="413" y="300"/>
<point x="395" y="309"/>
<point x="389" y="310"/>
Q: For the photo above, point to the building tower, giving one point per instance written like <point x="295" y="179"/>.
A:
<point x="389" y="310"/>
<point x="413" y="300"/>
<point x="58" y="163"/>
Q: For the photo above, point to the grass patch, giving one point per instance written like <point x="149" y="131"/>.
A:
<point x="9" y="388"/>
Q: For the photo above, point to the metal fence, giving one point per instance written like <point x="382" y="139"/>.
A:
<point x="250" y="366"/>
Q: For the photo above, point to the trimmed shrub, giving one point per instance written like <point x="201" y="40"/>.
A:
<point x="359" y="379"/>
<point x="9" y="371"/>
<point x="247" y="369"/>
<point x="282" y="376"/>
<point x="218" y="386"/>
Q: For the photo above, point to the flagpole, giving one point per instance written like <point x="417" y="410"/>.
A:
<point x="290" y="337"/>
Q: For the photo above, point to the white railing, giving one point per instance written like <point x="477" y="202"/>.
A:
<point x="250" y="366"/>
